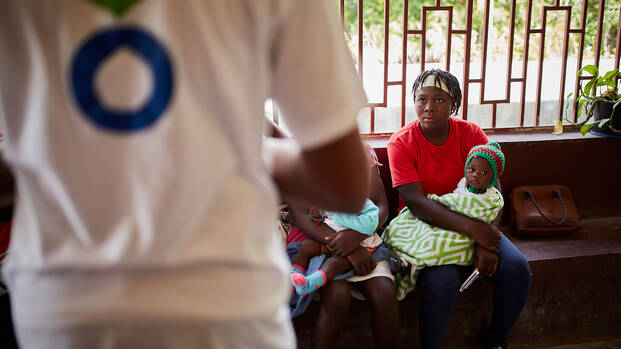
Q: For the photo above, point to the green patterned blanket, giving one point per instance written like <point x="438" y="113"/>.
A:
<point x="422" y="245"/>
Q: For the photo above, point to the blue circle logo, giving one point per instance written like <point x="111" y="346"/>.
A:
<point x="95" y="51"/>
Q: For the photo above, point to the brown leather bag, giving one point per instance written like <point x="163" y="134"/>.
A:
<point x="543" y="211"/>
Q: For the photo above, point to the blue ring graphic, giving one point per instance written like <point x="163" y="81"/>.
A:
<point x="90" y="56"/>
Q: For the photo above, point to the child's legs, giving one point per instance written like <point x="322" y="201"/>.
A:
<point x="335" y="265"/>
<point x="307" y="284"/>
<point x="308" y="249"/>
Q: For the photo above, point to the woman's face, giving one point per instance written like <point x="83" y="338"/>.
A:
<point x="433" y="107"/>
<point x="479" y="173"/>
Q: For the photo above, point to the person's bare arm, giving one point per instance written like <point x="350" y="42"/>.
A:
<point x="377" y="194"/>
<point x="334" y="176"/>
<point x="362" y="261"/>
<point x="317" y="231"/>
<point x="437" y="215"/>
<point x="485" y="260"/>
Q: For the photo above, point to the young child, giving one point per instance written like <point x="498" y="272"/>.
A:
<point x="364" y="222"/>
<point x="422" y="245"/>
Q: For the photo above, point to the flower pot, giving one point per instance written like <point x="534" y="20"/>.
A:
<point x="603" y="110"/>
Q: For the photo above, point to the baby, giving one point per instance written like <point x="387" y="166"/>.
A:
<point x="364" y="222"/>
<point x="421" y="244"/>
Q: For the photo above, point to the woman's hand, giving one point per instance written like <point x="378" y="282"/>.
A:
<point x="362" y="261"/>
<point x="344" y="242"/>
<point x="487" y="236"/>
<point x="485" y="260"/>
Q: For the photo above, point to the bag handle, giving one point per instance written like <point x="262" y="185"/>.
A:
<point x="556" y="193"/>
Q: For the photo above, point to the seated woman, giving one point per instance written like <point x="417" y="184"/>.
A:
<point x="428" y="157"/>
<point x="373" y="278"/>
<point x="422" y="245"/>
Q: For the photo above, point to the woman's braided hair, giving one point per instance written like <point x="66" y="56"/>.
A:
<point x="449" y="80"/>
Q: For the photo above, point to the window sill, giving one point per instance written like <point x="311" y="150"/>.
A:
<point x="380" y="141"/>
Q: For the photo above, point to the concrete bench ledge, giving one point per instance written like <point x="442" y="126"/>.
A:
<point x="598" y="236"/>
<point x="575" y="291"/>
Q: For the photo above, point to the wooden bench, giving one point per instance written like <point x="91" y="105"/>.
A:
<point x="576" y="279"/>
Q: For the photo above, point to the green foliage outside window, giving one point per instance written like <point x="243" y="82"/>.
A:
<point x="373" y="23"/>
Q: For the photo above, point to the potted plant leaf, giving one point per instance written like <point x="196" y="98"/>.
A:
<point x="600" y="101"/>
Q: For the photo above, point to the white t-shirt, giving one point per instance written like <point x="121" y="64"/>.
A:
<point x="135" y="141"/>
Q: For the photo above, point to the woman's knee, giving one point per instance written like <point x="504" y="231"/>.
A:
<point x="514" y="267"/>
<point x="518" y="270"/>
<point x="336" y="297"/>
<point x="441" y="282"/>
<point x="380" y="291"/>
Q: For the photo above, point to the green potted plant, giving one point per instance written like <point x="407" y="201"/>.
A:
<point x="600" y="101"/>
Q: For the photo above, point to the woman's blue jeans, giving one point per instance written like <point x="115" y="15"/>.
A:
<point x="440" y="286"/>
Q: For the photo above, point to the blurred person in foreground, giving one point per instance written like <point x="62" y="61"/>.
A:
<point x="145" y="193"/>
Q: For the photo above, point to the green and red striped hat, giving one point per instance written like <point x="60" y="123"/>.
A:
<point x="492" y="153"/>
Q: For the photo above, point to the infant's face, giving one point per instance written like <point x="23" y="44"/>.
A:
<point x="479" y="173"/>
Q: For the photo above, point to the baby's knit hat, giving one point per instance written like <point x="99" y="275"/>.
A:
<point x="492" y="153"/>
